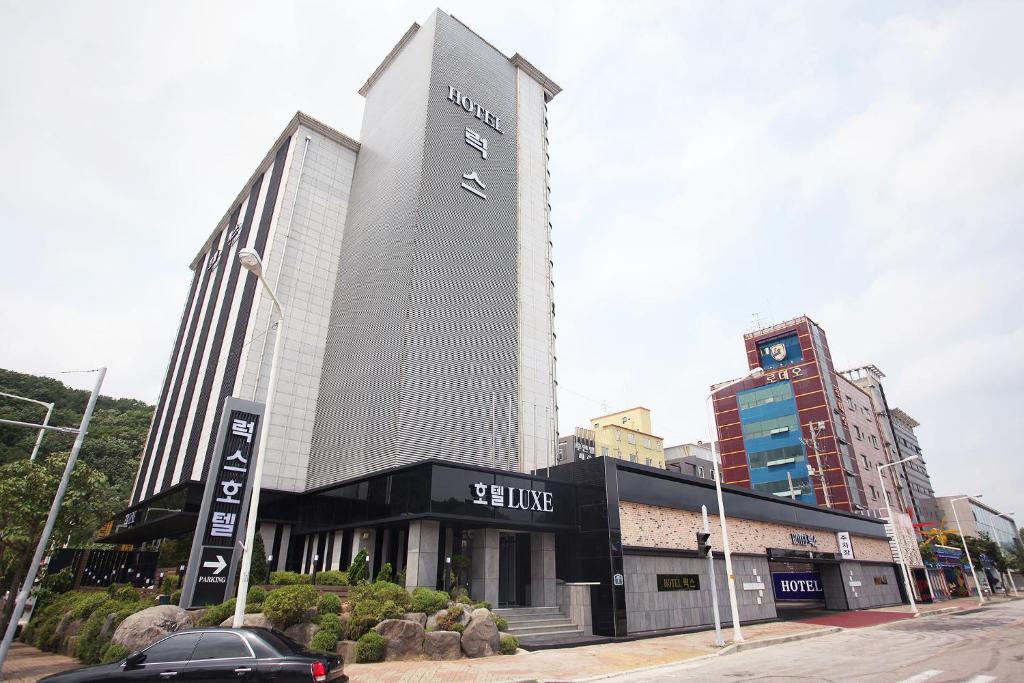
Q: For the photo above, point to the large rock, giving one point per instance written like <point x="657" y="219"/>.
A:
<point x="69" y="647"/>
<point x="107" y="629"/>
<point x="404" y="638"/>
<point x="302" y="633"/>
<point x="347" y="650"/>
<point x="144" y="628"/>
<point x="442" y="645"/>
<point x="254" y="619"/>
<point x="196" y="615"/>
<point x="419" y="617"/>
<point x="480" y="639"/>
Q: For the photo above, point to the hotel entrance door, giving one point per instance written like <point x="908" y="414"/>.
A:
<point x="513" y="569"/>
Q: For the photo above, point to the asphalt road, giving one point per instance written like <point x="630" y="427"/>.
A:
<point x="978" y="646"/>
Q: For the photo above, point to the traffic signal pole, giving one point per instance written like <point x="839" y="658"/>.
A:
<point x="719" y="642"/>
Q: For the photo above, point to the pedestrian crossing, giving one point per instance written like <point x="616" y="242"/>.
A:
<point x="932" y="673"/>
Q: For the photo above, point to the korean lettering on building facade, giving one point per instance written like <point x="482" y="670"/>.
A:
<point x="499" y="496"/>
<point x="211" y="568"/>
<point x="471" y="181"/>
<point x="783" y="374"/>
<point x="804" y="539"/>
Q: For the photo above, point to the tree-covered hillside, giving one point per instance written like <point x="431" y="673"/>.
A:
<point x="102" y="480"/>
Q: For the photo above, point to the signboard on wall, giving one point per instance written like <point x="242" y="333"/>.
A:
<point x="845" y="545"/>
<point x="797" y="586"/>
<point x="678" y="582"/>
<point x="211" y="564"/>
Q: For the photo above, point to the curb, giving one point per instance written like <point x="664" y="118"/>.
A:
<point x="727" y="650"/>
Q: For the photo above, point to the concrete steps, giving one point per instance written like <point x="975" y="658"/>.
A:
<point x="539" y="625"/>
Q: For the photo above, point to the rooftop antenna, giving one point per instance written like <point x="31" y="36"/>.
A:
<point x="757" y="320"/>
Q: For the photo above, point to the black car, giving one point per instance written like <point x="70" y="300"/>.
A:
<point x="217" y="654"/>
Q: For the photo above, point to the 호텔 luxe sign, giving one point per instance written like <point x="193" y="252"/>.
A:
<point x="500" y="496"/>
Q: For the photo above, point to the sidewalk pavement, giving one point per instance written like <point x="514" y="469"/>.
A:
<point x="609" y="659"/>
<point x="25" y="664"/>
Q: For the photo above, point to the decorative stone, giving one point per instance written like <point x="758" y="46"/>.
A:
<point x="302" y="633"/>
<point x="404" y="638"/>
<point x="347" y="650"/>
<point x="442" y="645"/>
<point x="107" y="629"/>
<point x="254" y="619"/>
<point x="142" y="629"/>
<point x="480" y="639"/>
<point x="419" y="617"/>
<point x="196" y="615"/>
<point x="70" y="644"/>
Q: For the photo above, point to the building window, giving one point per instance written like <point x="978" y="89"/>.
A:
<point x="647" y="443"/>
<point x="856" y="430"/>
<point x="770" y="427"/>
<point x="647" y="461"/>
<point x="700" y="471"/>
<point x="874" y="441"/>
<point x="631" y="437"/>
<point x="865" y="459"/>
<point x="849" y="402"/>
<point x="632" y="457"/>
<point x="618" y="435"/>
<point x="874" y="493"/>
<point x="777" y="391"/>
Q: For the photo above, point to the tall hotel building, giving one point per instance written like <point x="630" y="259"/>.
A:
<point x="414" y="413"/>
<point x="415" y="270"/>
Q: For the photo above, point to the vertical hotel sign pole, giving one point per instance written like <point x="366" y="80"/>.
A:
<point x="211" y="567"/>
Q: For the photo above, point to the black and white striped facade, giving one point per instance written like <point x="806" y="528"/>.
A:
<point x="420" y="316"/>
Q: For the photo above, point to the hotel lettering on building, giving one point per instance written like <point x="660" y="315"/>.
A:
<point x="415" y="413"/>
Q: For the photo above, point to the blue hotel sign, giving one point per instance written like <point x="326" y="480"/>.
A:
<point x="797" y="586"/>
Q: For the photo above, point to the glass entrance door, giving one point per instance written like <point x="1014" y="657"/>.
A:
<point x="507" y="570"/>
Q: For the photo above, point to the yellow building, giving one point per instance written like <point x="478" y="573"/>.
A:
<point x="627" y="435"/>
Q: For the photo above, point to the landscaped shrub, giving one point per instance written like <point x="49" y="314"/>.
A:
<point x="258" y="568"/>
<point x="499" y="621"/>
<point x="92" y="608"/>
<point x="483" y="604"/>
<point x="169" y="584"/>
<point x="331" y="577"/>
<point x="429" y="601"/>
<point x="289" y="578"/>
<point x="91" y="645"/>
<point x="286" y="606"/>
<point x="218" y="613"/>
<point x="458" y="628"/>
<point x="324" y="641"/>
<point x="357" y="570"/>
<point x="331" y="623"/>
<point x="369" y="613"/>
<point x="123" y="592"/>
<point x="460" y="594"/>
<point x="370" y="647"/>
<point x="451" y="619"/>
<point x="381" y="591"/>
<point x="59" y="582"/>
<point x="176" y="597"/>
<point x="114" y="653"/>
<point x="385" y="572"/>
<point x="329" y="604"/>
<point x="255" y="594"/>
<point x="509" y="645"/>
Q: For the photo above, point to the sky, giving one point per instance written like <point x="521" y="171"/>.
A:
<point x="714" y="166"/>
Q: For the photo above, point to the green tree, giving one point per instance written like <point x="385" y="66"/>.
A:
<point x="259" y="572"/>
<point x="26" y="493"/>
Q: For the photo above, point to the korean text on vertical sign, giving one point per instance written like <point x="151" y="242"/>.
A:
<point x="221" y="523"/>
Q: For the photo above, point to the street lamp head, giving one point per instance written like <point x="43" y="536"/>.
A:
<point x="250" y="260"/>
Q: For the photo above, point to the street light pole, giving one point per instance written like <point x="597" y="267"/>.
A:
<point x="46" y="420"/>
<point x="51" y="519"/>
<point x="1009" y="570"/>
<point x="963" y="541"/>
<point x="907" y="576"/>
<point x="737" y="634"/>
<point x="251" y="261"/>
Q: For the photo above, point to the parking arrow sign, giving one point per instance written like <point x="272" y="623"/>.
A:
<point x="217" y="566"/>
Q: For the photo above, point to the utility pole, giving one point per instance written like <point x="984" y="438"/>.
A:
<point x="817" y="428"/>
<point x="51" y="518"/>
<point x="719" y="642"/>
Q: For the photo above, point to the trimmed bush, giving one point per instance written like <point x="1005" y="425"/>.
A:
<point x="123" y="592"/>
<point x="259" y="569"/>
<point x="287" y="606"/>
<point x="255" y="594"/>
<point x="509" y="645"/>
<point x="169" y="584"/>
<point x="458" y="628"/>
<point x="385" y="572"/>
<point x="289" y="578"/>
<point x="218" y="613"/>
<point x="370" y="647"/>
<point x="451" y="619"/>
<point x="253" y="607"/>
<point x="429" y="601"/>
<point x="460" y="594"/>
<point x="381" y="591"/>
<point x="483" y="604"/>
<point x="331" y="623"/>
<point x="331" y="577"/>
<point x="324" y="641"/>
<point x="329" y="604"/>
<point x="357" y="570"/>
<point x="369" y="613"/>
<point x="176" y="597"/>
<point x="114" y="653"/>
<point x="59" y="582"/>
<point x="499" y="621"/>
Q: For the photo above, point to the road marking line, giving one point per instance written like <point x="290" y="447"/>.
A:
<point x="981" y="679"/>
<point x="922" y="677"/>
